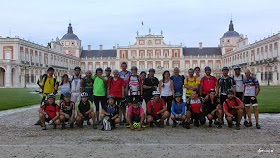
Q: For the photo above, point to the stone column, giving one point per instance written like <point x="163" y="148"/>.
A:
<point x="8" y="76"/>
<point x="258" y="76"/>
<point x="274" y="77"/>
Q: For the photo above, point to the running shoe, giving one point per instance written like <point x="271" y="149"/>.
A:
<point x="246" y="123"/>
<point x="88" y="122"/>
<point x="63" y="125"/>
<point x="237" y="127"/>
<point x="94" y="126"/>
<point x="210" y="123"/>
<point x="44" y="127"/>
<point x="38" y="122"/>
<point x="258" y="126"/>
<point x="187" y="125"/>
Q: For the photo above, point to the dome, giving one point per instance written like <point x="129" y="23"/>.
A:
<point x="70" y="35"/>
<point x="231" y="32"/>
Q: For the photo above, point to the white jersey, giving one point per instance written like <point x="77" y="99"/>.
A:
<point x="75" y="83"/>
<point x="166" y="90"/>
<point x="239" y="82"/>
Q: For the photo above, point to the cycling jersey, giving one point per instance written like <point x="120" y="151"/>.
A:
<point x="239" y="82"/>
<point x="211" y="106"/>
<point x="250" y="86"/>
<point x="208" y="84"/>
<point x="75" y="83"/>
<point x="134" y="85"/>
<point x="157" y="106"/>
<point x="88" y="85"/>
<point x="194" y="105"/>
<point x="178" y="83"/>
<point x="84" y="107"/>
<point x="190" y="82"/>
<point x="49" y="85"/>
<point x="67" y="107"/>
<point x="178" y="108"/>
<point x="124" y="76"/>
<point x="98" y="86"/>
<point x="225" y="84"/>
<point x="51" y="110"/>
<point x="113" y="111"/>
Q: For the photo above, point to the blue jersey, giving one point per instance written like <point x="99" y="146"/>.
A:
<point x="250" y="86"/>
<point x="178" y="109"/>
<point x="178" y="83"/>
<point x="124" y="76"/>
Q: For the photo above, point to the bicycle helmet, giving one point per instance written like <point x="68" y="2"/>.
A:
<point x="178" y="94"/>
<point x="134" y="68"/>
<point x="77" y="68"/>
<point x="136" y="125"/>
<point x="207" y="68"/>
<point x="51" y="96"/>
<point x="108" y="69"/>
<point x="67" y="95"/>
<point x="152" y="70"/>
<point x="84" y="94"/>
<point x="236" y="67"/>
<point x="156" y="93"/>
<point x="111" y="96"/>
<point x="225" y="68"/>
<point x="50" y="69"/>
<point x="230" y="91"/>
<point x="99" y="69"/>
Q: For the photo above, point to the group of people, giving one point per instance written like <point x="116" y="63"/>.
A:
<point x="140" y="100"/>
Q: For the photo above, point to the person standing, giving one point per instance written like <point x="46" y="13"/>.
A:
<point x="150" y="84"/>
<point x="65" y="87"/>
<point x="87" y="85"/>
<point x="225" y="83"/>
<point x="178" y="80"/>
<point x="99" y="91"/>
<point x="199" y="76"/>
<point x="124" y="74"/>
<point x="166" y="89"/>
<point x="143" y="75"/>
<point x="108" y="71"/>
<point x="75" y="85"/>
<point x="208" y="82"/>
<point x="134" y="87"/>
<point x="251" y="91"/>
<point x="191" y="83"/>
<point x="239" y="82"/>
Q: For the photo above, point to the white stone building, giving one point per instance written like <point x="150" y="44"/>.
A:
<point x="23" y="62"/>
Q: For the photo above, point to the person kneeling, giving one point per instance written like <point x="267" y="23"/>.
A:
<point x="178" y="109"/>
<point x="233" y="108"/>
<point x="194" y="110"/>
<point x="67" y="111"/>
<point x="110" y="114"/>
<point x="156" y="110"/>
<point x="49" y="112"/>
<point x="85" y="111"/>
<point x="135" y="116"/>
<point x="213" y="109"/>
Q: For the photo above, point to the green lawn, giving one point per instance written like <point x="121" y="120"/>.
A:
<point x="268" y="98"/>
<point x="17" y="97"/>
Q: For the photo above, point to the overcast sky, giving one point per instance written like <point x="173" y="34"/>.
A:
<point x="109" y="22"/>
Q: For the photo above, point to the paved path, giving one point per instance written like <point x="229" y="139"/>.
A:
<point x="20" y="138"/>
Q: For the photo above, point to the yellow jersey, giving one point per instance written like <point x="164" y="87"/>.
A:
<point x="48" y="85"/>
<point x="191" y="82"/>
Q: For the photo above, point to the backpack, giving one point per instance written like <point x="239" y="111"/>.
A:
<point x="45" y="79"/>
<point x="193" y="79"/>
<point x="234" y="101"/>
<point x="210" y="78"/>
<point x="153" y="102"/>
<point x="106" y="123"/>
<point x="49" y="105"/>
<point x="73" y="78"/>
<point x="241" y="76"/>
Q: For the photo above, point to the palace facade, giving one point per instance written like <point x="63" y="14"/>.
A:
<point x="23" y="62"/>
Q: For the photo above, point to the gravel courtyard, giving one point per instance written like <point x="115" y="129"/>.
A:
<point x="20" y="138"/>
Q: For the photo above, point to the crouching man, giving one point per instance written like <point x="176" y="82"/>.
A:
<point x="135" y="116"/>
<point x="67" y="111"/>
<point x="233" y="109"/>
<point x="156" y="110"/>
<point x="49" y="112"/>
<point x="194" y="110"/>
<point x="85" y="111"/>
<point x="110" y="114"/>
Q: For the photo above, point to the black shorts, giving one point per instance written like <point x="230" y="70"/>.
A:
<point x="130" y="98"/>
<point x="239" y="95"/>
<point x="156" y="117"/>
<point x="223" y="98"/>
<point x="215" y="114"/>
<point x="101" y="99"/>
<point x="250" y="100"/>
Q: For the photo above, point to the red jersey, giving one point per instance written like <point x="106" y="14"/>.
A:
<point x="50" y="110"/>
<point x="196" y="105"/>
<point x="116" y="87"/>
<point x="157" y="106"/>
<point x="208" y="84"/>
<point x="231" y="103"/>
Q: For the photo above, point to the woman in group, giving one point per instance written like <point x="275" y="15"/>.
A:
<point x="65" y="87"/>
<point x="178" y="109"/>
<point x="166" y="89"/>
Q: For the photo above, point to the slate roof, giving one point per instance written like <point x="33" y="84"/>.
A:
<point x="70" y="35"/>
<point x="202" y="52"/>
<point x="99" y="53"/>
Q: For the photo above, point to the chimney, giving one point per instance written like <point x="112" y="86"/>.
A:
<point x="89" y="47"/>
<point x="200" y="45"/>
<point x="100" y="47"/>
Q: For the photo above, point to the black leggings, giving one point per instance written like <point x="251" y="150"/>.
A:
<point x="98" y="99"/>
<point x="168" y="100"/>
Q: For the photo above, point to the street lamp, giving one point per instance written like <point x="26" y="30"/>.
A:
<point x="267" y="74"/>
